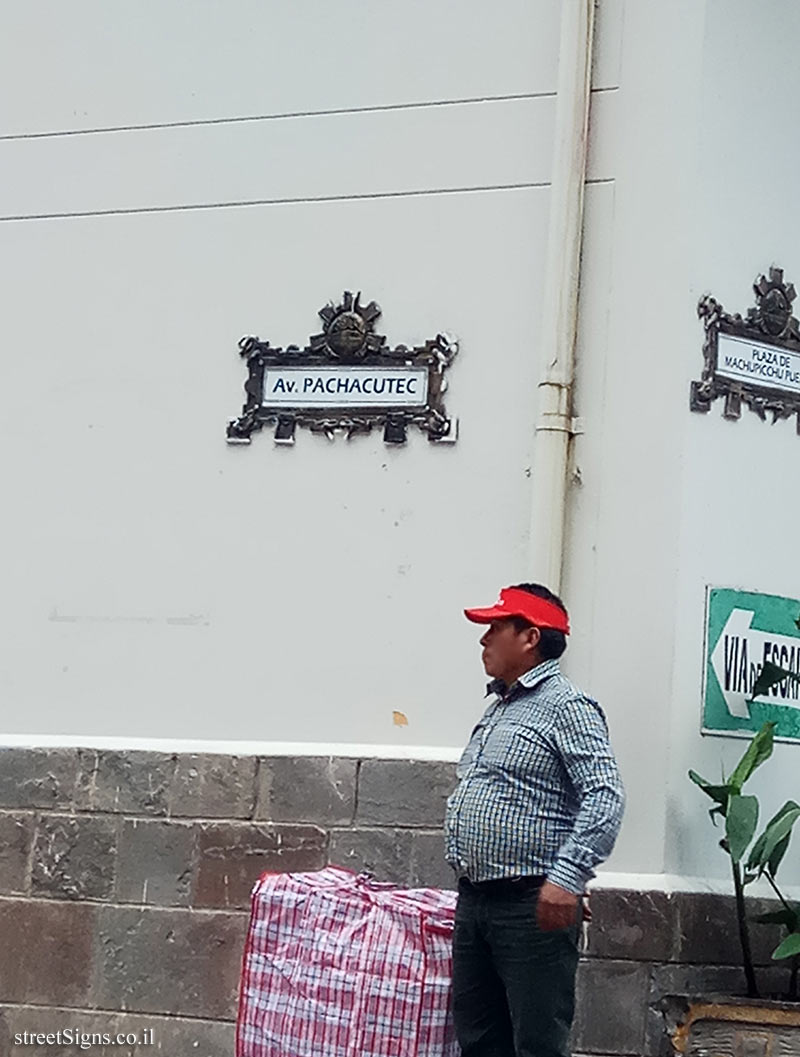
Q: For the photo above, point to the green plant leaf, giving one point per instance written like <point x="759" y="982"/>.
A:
<point x="759" y="749"/>
<point x="777" y="855"/>
<point x="769" y="675"/>
<point x="740" y="824"/>
<point x="756" y="860"/>
<point x="779" y="830"/>
<point x="785" y="917"/>
<point x="771" y="846"/>
<point x="789" y="947"/>
<point x="718" y="793"/>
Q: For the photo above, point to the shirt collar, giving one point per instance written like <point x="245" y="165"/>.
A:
<point x="528" y="679"/>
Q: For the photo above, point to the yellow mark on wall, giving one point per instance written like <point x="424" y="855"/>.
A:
<point x="400" y="719"/>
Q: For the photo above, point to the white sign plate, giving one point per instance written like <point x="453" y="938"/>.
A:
<point x="750" y="361"/>
<point x="356" y="387"/>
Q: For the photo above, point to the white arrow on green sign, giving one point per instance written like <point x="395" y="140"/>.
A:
<point x="743" y="630"/>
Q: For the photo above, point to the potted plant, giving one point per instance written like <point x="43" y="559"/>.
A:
<point x="733" y="1023"/>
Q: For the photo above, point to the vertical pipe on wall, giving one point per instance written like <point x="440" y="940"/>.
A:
<point x="560" y="306"/>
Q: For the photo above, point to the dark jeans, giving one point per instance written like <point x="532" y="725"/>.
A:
<point x="513" y="985"/>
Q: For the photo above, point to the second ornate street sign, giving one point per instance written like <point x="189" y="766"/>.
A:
<point x="756" y="360"/>
<point x="347" y="378"/>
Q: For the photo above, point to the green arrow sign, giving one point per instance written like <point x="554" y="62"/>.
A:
<point x="744" y="629"/>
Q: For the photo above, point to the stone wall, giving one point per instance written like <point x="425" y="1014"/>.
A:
<point x="125" y="880"/>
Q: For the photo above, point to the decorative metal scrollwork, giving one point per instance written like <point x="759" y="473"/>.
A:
<point x="345" y="355"/>
<point x="765" y="376"/>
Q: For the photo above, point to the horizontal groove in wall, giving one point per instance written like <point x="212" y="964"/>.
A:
<point x="274" y="202"/>
<point x="110" y="904"/>
<point x="290" y="201"/>
<point x="95" y="1011"/>
<point x="285" y="116"/>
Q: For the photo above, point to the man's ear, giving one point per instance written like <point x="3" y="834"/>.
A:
<point x="534" y="637"/>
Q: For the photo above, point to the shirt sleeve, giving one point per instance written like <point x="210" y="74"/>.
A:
<point x="581" y="738"/>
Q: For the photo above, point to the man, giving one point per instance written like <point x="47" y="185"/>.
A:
<point x="538" y="806"/>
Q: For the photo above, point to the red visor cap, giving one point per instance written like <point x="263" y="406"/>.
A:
<point x="515" y="603"/>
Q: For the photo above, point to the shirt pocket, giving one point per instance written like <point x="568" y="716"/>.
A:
<point x="516" y="750"/>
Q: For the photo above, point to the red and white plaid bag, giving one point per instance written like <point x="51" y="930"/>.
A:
<point x="338" y="965"/>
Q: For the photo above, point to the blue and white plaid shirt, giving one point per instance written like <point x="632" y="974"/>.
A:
<point x="539" y="789"/>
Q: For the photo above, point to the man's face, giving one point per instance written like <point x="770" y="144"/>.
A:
<point x="508" y="653"/>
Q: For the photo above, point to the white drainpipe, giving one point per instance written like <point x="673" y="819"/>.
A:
<point x="554" y="427"/>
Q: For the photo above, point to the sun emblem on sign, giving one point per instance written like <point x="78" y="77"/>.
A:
<point x="773" y="311"/>
<point x="349" y="329"/>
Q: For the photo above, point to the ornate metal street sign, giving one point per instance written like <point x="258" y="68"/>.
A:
<point x="754" y="360"/>
<point x="346" y="378"/>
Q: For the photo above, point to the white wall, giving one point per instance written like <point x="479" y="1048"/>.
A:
<point x="669" y="500"/>
<point x="632" y="395"/>
<point x="166" y="585"/>
<point x="740" y="506"/>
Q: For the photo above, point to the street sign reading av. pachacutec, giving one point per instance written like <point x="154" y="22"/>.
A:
<point x="743" y="630"/>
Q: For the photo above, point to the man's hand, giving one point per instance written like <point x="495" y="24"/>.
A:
<point x="556" y="908"/>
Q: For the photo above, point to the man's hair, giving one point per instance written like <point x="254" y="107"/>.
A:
<point x="552" y="643"/>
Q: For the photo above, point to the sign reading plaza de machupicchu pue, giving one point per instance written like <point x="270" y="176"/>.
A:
<point x="745" y="630"/>
<point x="755" y="361"/>
<point x="346" y="378"/>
